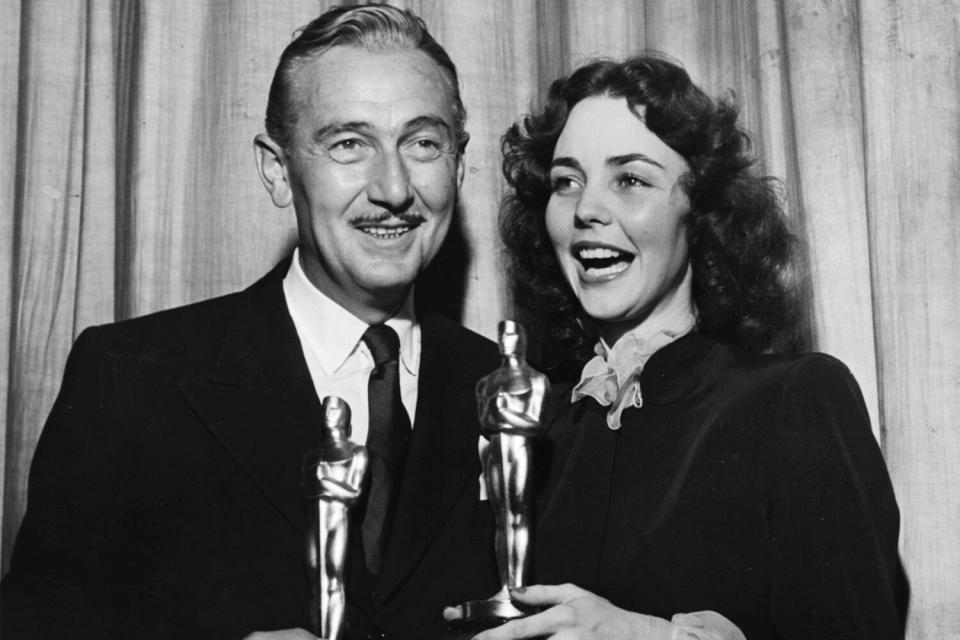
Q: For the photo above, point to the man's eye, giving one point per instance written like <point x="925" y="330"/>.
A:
<point x="424" y="149"/>
<point x="349" y="150"/>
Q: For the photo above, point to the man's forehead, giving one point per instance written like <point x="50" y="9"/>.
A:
<point x="387" y="89"/>
<point x="378" y="115"/>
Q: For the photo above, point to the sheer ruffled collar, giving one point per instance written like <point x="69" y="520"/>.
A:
<point x="612" y="376"/>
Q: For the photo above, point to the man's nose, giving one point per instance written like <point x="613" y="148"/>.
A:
<point x="389" y="183"/>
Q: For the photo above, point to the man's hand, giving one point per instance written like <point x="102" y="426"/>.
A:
<point x="574" y="614"/>
<point x="285" y="634"/>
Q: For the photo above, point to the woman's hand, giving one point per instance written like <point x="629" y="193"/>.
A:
<point x="576" y="614"/>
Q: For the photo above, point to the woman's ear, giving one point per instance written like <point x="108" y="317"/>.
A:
<point x="272" y="167"/>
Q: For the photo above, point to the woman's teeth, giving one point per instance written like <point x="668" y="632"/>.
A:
<point x="601" y="262"/>
<point x="597" y="253"/>
<point x="607" y="271"/>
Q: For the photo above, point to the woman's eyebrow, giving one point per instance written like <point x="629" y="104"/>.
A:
<point x="632" y="157"/>
<point x="566" y="161"/>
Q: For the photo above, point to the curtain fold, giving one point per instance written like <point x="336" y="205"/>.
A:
<point x="128" y="186"/>
<point x="10" y="461"/>
<point x="911" y="122"/>
<point x="825" y="101"/>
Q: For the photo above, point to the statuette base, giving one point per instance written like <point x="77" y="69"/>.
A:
<point x="478" y="615"/>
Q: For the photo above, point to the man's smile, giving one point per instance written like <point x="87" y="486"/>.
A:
<point x="389" y="228"/>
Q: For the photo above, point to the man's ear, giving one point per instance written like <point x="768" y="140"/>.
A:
<point x="461" y="160"/>
<point x="271" y="164"/>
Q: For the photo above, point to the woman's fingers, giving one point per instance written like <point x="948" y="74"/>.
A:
<point x="547" y="594"/>
<point x="543" y="624"/>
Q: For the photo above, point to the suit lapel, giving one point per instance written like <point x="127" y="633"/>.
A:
<point x="258" y="401"/>
<point x="442" y="462"/>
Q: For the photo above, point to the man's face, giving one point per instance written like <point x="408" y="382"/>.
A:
<point x="374" y="171"/>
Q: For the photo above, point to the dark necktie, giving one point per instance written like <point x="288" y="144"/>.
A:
<point x="387" y="438"/>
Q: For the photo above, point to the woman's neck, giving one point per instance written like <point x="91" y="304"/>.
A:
<point x="674" y="313"/>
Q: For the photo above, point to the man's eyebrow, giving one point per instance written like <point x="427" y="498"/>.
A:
<point x="339" y="127"/>
<point x="421" y="122"/>
<point x="633" y="157"/>
<point x="566" y="161"/>
<point x="363" y="126"/>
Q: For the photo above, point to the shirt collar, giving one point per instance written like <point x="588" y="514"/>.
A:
<point x="333" y="333"/>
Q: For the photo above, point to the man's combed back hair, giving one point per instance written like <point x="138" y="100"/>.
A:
<point x="371" y="27"/>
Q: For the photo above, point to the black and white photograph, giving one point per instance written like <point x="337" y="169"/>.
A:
<point x="480" y="319"/>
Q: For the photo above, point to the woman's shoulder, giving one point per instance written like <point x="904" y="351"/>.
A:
<point x="791" y="386"/>
<point x="794" y="370"/>
<point x="810" y="397"/>
<point x="698" y="371"/>
<point x="700" y="365"/>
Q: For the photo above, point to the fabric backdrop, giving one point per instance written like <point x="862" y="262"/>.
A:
<point x="127" y="185"/>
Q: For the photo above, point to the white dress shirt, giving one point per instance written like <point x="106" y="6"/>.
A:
<point x="338" y="360"/>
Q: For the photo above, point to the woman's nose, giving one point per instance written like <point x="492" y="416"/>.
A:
<point x="592" y="209"/>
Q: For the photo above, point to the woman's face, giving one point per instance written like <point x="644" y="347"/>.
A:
<point x="616" y="215"/>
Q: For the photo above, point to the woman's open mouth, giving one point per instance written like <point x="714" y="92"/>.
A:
<point x="599" y="263"/>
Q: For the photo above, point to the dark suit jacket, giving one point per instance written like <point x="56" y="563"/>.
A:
<point x="747" y="485"/>
<point x="165" y="494"/>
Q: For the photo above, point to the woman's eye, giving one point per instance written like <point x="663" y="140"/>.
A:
<point x="631" y="181"/>
<point x="561" y="184"/>
<point x="349" y="150"/>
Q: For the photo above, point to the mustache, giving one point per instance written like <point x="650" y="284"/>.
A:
<point x="377" y="217"/>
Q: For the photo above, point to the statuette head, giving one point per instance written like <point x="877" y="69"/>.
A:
<point x="336" y="417"/>
<point x="512" y="339"/>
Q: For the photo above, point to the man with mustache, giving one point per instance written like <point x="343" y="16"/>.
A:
<point x="165" y="492"/>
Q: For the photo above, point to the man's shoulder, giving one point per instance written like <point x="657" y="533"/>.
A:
<point x="459" y="348"/>
<point x="455" y="336"/>
<point x="189" y="331"/>
<point x="179" y="327"/>
<point x="444" y="329"/>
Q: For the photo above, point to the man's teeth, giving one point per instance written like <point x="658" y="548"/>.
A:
<point x="385" y="232"/>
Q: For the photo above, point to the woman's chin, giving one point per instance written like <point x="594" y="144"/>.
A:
<point x="609" y="318"/>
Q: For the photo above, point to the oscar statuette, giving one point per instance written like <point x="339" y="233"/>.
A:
<point x="509" y="402"/>
<point x="332" y="480"/>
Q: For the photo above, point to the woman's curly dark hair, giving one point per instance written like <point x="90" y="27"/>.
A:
<point x="741" y="251"/>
